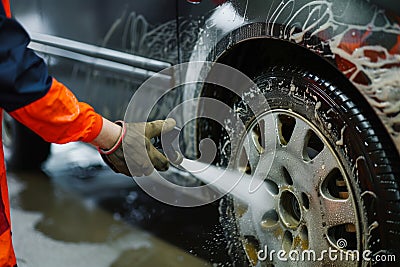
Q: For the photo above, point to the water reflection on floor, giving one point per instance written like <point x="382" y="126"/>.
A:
<point x="76" y="212"/>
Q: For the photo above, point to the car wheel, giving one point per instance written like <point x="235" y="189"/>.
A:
<point x="333" y="184"/>
<point x="23" y="149"/>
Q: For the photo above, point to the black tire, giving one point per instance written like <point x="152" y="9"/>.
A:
<point x="359" y="141"/>
<point x="24" y="150"/>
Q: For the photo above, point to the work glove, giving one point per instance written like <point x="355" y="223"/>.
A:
<point x="135" y="149"/>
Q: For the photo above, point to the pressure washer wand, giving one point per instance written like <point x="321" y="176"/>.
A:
<point x="240" y="185"/>
<point x="169" y="143"/>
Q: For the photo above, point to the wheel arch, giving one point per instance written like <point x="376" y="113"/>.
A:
<point x="246" y="57"/>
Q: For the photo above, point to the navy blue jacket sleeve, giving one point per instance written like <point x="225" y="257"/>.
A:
<point x="23" y="75"/>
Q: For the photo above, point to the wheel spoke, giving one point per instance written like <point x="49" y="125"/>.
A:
<point x="253" y="154"/>
<point x="258" y="137"/>
<point x="270" y="133"/>
<point x="325" y="160"/>
<point x="338" y="211"/>
<point x="322" y="165"/>
<point x="299" y="137"/>
<point x="275" y="175"/>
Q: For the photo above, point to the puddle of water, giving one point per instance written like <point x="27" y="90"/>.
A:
<point x="57" y="221"/>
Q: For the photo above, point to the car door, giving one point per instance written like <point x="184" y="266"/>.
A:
<point x="103" y="50"/>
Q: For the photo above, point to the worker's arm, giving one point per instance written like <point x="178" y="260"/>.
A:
<point x="108" y="135"/>
<point x="51" y="110"/>
<point x="30" y="95"/>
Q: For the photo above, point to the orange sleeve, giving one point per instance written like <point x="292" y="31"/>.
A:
<point x="6" y="6"/>
<point x="58" y="117"/>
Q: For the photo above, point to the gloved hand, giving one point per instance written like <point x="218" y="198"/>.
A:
<point x="135" y="149"/>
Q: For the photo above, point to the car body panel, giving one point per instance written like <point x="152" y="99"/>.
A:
<point x="122" y="25"/>
<point x="102" y="50"/>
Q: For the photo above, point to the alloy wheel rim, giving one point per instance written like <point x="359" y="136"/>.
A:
<point x="309" y="204"/>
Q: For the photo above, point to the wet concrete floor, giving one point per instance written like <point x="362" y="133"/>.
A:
<point x="76" y="212"/>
